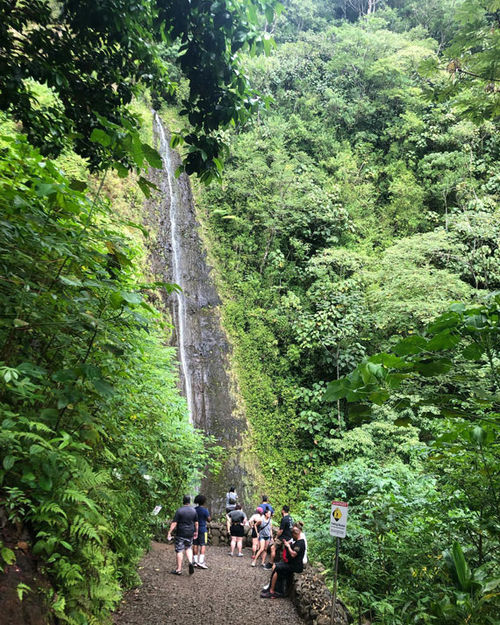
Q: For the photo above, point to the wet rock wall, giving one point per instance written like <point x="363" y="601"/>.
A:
<point x="203" y="348"/>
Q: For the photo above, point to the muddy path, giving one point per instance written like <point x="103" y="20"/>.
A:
<point x="227" y="593"/>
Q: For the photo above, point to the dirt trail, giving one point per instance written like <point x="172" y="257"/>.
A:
<point x="225" y="594"/>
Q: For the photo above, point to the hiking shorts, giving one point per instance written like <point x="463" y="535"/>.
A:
<point x="237" y="530"/>
<point x="182" y="543"/>
<point x="202" y="539"/>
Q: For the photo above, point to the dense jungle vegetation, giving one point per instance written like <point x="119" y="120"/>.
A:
<point x="355" y="235"/>
<point x="356" y="238"/>
<point x="94" y="431"/>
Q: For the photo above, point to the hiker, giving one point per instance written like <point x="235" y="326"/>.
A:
<point x="231" y="500"/>
<point x="284" y="533"/>
<point x="265" y="505"/>
<point x="185" y="524"/>
<point x="302" y="536"/>
<point x="236" y="521"/>
<point x="265" y="533"/>
<point x="254" y="521"/>
<point x="199" y="543"/>
<point x="293" y="562"/>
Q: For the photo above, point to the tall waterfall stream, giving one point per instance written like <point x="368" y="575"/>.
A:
<point x="203" y="348"/>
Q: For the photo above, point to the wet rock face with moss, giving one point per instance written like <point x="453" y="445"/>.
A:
<point x="203" y="349"/>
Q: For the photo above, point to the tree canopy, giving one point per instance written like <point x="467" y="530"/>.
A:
<point x="97" y="56"/>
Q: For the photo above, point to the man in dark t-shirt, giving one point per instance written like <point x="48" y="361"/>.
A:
<point x="293" y="562"/>
<point x="284" y="533"/>
<point x="186" y="525"/>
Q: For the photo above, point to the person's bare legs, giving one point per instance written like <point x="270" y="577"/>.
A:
<point x="264" y="553"/>
<point x="202" y="555"/>
<point x="255" y="547"/>
<point x="178" y="557"/>
<point x="233" y="544"/>
<point x="239" y="542"/>
<point x="274" y="579"/>
<point x="259" y="551"/>
<point x="262" y="550"/>
<point x="273" y="553"/>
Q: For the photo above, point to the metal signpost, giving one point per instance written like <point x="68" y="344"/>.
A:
<point x="338" y="524"/>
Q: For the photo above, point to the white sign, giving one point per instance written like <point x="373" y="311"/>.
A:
<point x="156" y="510"/>
<point x="338" y="519"/>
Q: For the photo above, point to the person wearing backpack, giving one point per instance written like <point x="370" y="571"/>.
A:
<point x="231" y="500"/>
<point x="284" y="533"/>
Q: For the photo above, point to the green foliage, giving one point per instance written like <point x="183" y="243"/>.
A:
<point x="94" y="433"/>
<point x="351" y="214"/>
<point x="101" y="55"/>
<point x="471" y="60"/>
<point x="391" y="563"/>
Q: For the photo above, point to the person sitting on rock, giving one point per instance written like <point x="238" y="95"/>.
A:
<point x="231" y="500"/>
<point x="236" y="521"/>
<point x="293" y="562"/>
<point x="254" y="521"/>
<point x="199" y="544"/>
<point x="284" y="533"/>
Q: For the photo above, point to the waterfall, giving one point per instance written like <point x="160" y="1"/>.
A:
<point x="179" y="310"/>
<point x="203" y="348"/>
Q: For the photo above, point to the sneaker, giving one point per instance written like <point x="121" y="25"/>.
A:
<point x="268" y="566"/>
<point x="277" y="595"/>
<point x="175" y="572"/>
<point x="240" y="555"/>
<point x="230" y="554"/>
<point x="202" y="565"/>
<point x="253" y="563"/>
<point x="265" y="594"/>
<point x="264" y="566"/>
<point x="191" y="569"/>
<point x="266" y="587"/>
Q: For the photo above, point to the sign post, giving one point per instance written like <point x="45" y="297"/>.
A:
<point x="338" y="524"/>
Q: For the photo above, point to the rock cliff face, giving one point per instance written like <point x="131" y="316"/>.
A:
<point x="203" y="348"/>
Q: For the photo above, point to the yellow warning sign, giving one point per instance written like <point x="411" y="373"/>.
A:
<point x="338" y="519"/>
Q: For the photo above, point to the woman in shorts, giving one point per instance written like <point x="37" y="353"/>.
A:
<point x="265" y="533"/>
<point x="236" y="520"/>
<point x="254" y="521"/>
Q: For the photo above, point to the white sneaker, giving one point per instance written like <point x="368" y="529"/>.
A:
<point x="202" y="565"/>
<point x="240" y="555"/>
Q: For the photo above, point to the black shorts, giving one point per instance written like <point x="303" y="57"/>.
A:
<point x="201" y="541"/>
<point x="237" y="530"/>
<point x="254" y="533"/>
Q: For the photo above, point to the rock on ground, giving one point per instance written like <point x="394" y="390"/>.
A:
<point x="227" y="593"/>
